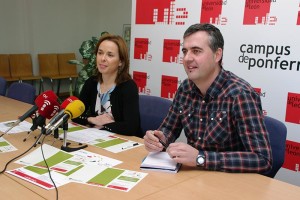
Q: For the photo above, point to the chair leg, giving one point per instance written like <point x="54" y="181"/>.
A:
<point x="41" y="89"/>
<point x="75" y="86"/>
<point x="58" y="87"/>
<point x="71" y="86"/>
<point x="52" y="84"/>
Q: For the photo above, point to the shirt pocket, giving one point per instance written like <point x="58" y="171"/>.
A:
<point x="185" y="114"/>
<point x="217" y="131"/>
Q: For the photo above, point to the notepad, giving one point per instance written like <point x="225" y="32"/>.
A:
<point x="160" y="161"/>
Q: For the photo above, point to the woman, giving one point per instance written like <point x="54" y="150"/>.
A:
<point x="111" y="97"/>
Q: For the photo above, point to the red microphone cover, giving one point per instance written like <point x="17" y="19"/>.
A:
<point x="49" y="94"/>
<point x="45" y="95"/>
<point x="49" y="108"/>
<point x="39" y="101"/>
<point x="67" y="101"/>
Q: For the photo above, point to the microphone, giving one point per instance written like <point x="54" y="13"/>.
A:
<point x="59" y="115"/>
<point x="64" y="104"/>
<point x="38" y="103"/>
<point x="49" y="108"/>
<point x="72" y="110"/>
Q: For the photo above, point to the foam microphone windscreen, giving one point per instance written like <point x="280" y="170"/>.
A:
<point x="49" y="94"/>
<point x="75" y="109"/>
<point x="39" y="101"/>
<point x="49" y="108"/>
<point x="66" y="102"/>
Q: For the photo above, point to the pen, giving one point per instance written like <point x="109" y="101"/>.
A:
<point x="162" y="142"/>
<point x="134" y="144"/>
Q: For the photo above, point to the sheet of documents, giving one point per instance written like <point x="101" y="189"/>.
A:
<point x="61" y="164"/>
<point x="57" y="156"/>
<point x="83" y="135"/>
<point x="100" y="138"/>
<point x="24" y="126"/>
<point x="79" y="166"/>
<point x="5" y="146"/>
<point x="40" y="177"/>
<point x="112" y="178"/>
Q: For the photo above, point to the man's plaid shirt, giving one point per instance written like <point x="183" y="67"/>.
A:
<point x="227" y="124"/>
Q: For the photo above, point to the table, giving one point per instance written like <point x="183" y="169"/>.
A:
<point x="189" y="183"/>
<point x="220" y="185"/>
<point x="13" y="190"/>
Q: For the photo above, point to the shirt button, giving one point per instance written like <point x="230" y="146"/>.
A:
<point x="211" y="119"/>
<point x="199" y="138"/>
<point x="201" y="120"/>
<point x="180" y="111"/>
<point x="203" y="101"/>
<point x="189" y="115"/>
<point x="220" y="119"/>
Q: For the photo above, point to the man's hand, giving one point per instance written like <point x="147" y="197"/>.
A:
<point x="151" y="141"/>
<point x="183" y="153"/>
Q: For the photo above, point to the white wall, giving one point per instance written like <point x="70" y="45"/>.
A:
<point x="57" y="26"/>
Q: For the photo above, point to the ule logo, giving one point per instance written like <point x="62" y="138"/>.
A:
<point x="159" y="12"/>
<point x="258" y="90"/>
<point x="168" y="86"/>
<point x="211" y="12"/>
<point x="257" y="12"/>
<point x="141" y="49"/>
<point x="298" y="19"/>
<point x="293" y="108"/>
<point x="261" y="94"/>
<point x="171" y="51"/>
<point x="140" y="78"/>
<point x="292" y="156"/>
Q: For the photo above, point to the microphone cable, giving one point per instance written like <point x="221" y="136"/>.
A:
<point x="34" y="145"/>
<point x="21" y="154"/>
<point x="49" y="172"/>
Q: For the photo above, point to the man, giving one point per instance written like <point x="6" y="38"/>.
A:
<point x="219" y="112"/>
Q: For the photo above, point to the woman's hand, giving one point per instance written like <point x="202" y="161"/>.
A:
<point x="101" y="120"/>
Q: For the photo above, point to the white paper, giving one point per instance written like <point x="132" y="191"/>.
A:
<point x="42" y="180"/>
<point x="82" y="155"/>
<point x="85" y="135"/>
<point x="24" y="126"/>
<point x="118" y="179"/>
<point x="36" y="155"/>
<point x="5" y="146"/>
<point x="79" y="166"/>
<point x="102" y="139"/>
<point x="159" y="161"/>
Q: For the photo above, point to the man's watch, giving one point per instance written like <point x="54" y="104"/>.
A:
<point x="200" y="160"/>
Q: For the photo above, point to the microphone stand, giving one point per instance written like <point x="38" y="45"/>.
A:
<point x="38" y="139"/>
<point x="35" y="124"/>
<point x="65" y="146"/>
<point x="55" y="135"/>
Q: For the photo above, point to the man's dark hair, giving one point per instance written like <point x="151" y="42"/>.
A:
<point x="216" y="39"/>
